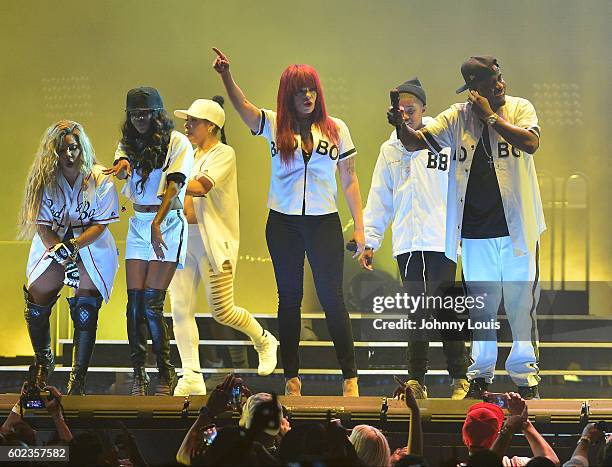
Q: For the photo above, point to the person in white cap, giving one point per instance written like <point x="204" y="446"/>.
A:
<point x="211" y="209"/>
<point x="156" y="160"/>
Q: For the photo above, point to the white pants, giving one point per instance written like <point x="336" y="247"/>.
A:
<point x="173" y="229"/>
<point x="492" y="271"/>
<point x="219" y="294"/>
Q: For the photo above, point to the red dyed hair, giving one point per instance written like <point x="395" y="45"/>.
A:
<point x="293" y="79"/>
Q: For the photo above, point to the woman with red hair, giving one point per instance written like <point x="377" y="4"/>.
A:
<point x="306" y="145"/>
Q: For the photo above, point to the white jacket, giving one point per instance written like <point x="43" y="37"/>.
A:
<point x="459" y="128"/>
<point x="408" y="189"/>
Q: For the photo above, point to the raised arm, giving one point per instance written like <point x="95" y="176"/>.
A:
<point x="415" y="430"/>
<point x="250" y="114"/>
<point x="517" y="417"/>
<point x="539" y="446"/>
<point x="411" y="139"/>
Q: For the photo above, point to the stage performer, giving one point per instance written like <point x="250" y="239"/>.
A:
<point x="67" y="206"/>
<point x="212" y="212"/>
<point x="156" y="161"/>
<point x="409" y="189"/>
<point x="306" y="147"/>
<point x="495" y="212"/>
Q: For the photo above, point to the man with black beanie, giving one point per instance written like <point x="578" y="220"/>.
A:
<point x="409" y="190"/>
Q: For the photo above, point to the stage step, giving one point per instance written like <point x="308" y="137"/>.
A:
<point x="551" y="328"/>
<point x="369" y="355"/>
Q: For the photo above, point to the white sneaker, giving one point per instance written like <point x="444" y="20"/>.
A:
<point x="191" y="384"/>
<point x="267" y="354"/>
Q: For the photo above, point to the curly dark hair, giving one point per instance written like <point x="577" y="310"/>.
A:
<point x="147" y="152"/>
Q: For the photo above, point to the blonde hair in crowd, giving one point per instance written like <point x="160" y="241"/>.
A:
<point x="45" y="171"/>
<point x="370" y="445"/>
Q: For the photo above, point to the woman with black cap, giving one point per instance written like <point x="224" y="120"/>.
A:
<point x="67" y="206"/>
<point x="156" y="160"/>
<point x="211" y="209"/>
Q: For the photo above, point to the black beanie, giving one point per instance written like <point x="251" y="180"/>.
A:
<point x="413" y="86"/>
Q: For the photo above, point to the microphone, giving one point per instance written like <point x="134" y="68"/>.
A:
<point x="394" y="97"/>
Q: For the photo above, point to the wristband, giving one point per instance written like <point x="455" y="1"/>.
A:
<point x="75" y="249"/>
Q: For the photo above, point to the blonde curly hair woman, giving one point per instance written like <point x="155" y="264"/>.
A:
<point x="67" y="205"/>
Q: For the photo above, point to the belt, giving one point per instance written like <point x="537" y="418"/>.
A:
<point x="146" y="208"/>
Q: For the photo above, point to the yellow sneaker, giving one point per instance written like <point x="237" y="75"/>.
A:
<point x="419" y="391"/>
<point x="293" y="386"/>
<point x="350" y="387"/>
<point x="459" y="388"/>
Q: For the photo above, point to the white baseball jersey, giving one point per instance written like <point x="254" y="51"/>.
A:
<point x="305" y="188"/>
<point x="218" y="212"/>
<point x="179" y="160"/>
<point x="90" y="201"/>
<point x="459" y="128"/>
<point x="408" y="189"/>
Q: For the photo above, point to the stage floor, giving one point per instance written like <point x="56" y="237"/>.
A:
<point x="371" y="407"/>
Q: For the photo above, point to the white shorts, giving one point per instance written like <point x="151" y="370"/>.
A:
<point x="173" y="229"/>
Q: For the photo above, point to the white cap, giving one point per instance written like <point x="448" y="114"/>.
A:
<point x="204" y="109"/>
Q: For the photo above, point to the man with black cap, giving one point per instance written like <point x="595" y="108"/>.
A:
<point x="409" y="189"/>
<point x="494" y="212"/>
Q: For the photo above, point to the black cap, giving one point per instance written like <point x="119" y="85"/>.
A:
<point x="476" y="69"/>
<point x="413" y="86"/>
<point x="143" y="98"/>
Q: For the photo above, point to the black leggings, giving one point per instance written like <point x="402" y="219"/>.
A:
<point x="320" y="237"/>
<point x="439" y="279"/>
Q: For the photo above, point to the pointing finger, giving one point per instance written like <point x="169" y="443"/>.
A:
<point x="219" y="53"/>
